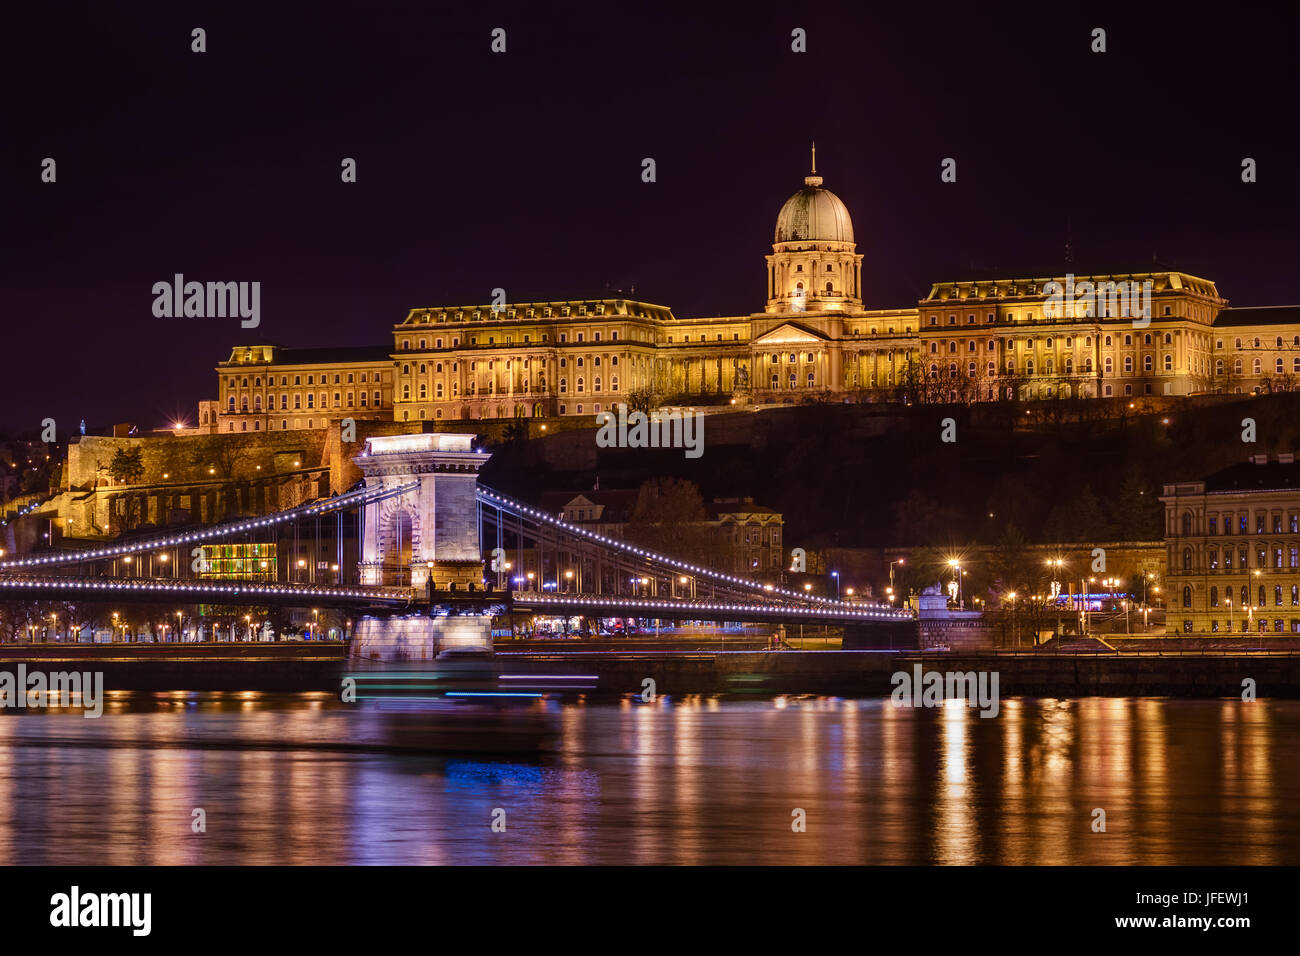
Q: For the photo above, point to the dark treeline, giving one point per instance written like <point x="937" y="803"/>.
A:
<point x="870" y="475"/>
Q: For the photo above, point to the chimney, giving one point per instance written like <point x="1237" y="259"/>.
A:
<point x="1286" y="458"/>
<point x="1259" y="459"/>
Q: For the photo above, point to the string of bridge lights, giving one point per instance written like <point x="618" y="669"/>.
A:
<point x="838" y="610"/>
<point x="501" y="501"/>
<point x="27" y="509"/>
<point x="126" y="587"/>
<point x="365" y="495"/>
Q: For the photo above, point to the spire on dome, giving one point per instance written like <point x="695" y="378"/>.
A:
<point x="814" y="179"/>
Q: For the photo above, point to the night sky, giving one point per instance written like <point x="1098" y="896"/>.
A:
<point x="522" y="170"/>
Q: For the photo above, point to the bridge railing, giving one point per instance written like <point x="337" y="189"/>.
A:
<point x="684" y="608"/>
<point x="207" y="591"/>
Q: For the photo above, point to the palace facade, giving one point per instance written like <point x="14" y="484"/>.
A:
<point x="980" y="339"/>
<point x="1233" y="549"/>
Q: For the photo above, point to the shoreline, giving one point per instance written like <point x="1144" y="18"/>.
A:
<point x="319" y="666"/>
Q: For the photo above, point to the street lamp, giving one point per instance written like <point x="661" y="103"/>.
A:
<point x="891" y="571"/>
<point x="956" y="573"/>
<point x="568" y="579"/>
<point x="836" y="576"/>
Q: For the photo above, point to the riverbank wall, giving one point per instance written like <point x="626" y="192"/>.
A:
<point x="318" y="667"/>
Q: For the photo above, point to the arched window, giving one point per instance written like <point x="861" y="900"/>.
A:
<point x="1187" y="559"/>
<point x="1187" y="595"/>
<point x="1214" y="596"/>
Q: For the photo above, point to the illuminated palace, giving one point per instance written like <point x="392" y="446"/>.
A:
<point x="974" y="340"/>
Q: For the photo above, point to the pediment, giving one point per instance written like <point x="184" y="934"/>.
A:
<point x="788" y="333"/>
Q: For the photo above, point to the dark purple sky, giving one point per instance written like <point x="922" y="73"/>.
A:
<point x="522" y="170"/>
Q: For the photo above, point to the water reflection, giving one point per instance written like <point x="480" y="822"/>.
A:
<point x="694" y="780"/>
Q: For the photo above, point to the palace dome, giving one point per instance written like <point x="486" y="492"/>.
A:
<point x="814" y="213"/>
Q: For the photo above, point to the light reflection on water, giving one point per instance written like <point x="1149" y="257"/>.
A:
<point x="680" y="781"/>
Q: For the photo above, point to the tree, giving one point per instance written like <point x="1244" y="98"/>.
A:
<point x="126" y="465"/>
<point x="516" y="432"/>
<point x="670" y="518"/>
<point x="1078" y="517"/>
<point x="643" y="400"/>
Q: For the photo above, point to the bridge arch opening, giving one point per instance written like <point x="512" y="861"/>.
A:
<point x="398" y="537"/>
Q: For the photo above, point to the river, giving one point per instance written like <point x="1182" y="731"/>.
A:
<point x="289" y="780"/>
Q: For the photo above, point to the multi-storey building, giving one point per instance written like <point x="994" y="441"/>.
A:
<point x="977" y="339"/>
<point x="265" y="387"/>
<point x="1233" y="549"/>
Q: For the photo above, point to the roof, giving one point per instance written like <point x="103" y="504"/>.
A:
<point x="266" y="354"/>
<point x="1258" y="315"/>
<point x="732" y="506"/>
<point x="609" y="304"/>
<point x="618" y="503"/>
<point x="814" y="213"/>
<point x="1043" y="270"/>
<point x="1249" y="476"/>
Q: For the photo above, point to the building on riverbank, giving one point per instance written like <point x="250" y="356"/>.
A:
<point x="1233" y="549"/>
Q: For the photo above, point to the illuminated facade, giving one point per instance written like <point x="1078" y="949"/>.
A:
<point x="974" y="340"/>
<point x="268" y="388"/>
<point x="1233" y="549"/>
<point x="239" y="562"/>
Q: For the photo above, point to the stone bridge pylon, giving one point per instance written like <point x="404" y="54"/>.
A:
<point x="430" y="532"/>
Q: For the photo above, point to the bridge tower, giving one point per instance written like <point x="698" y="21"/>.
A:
<point x="430" y="532"/>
